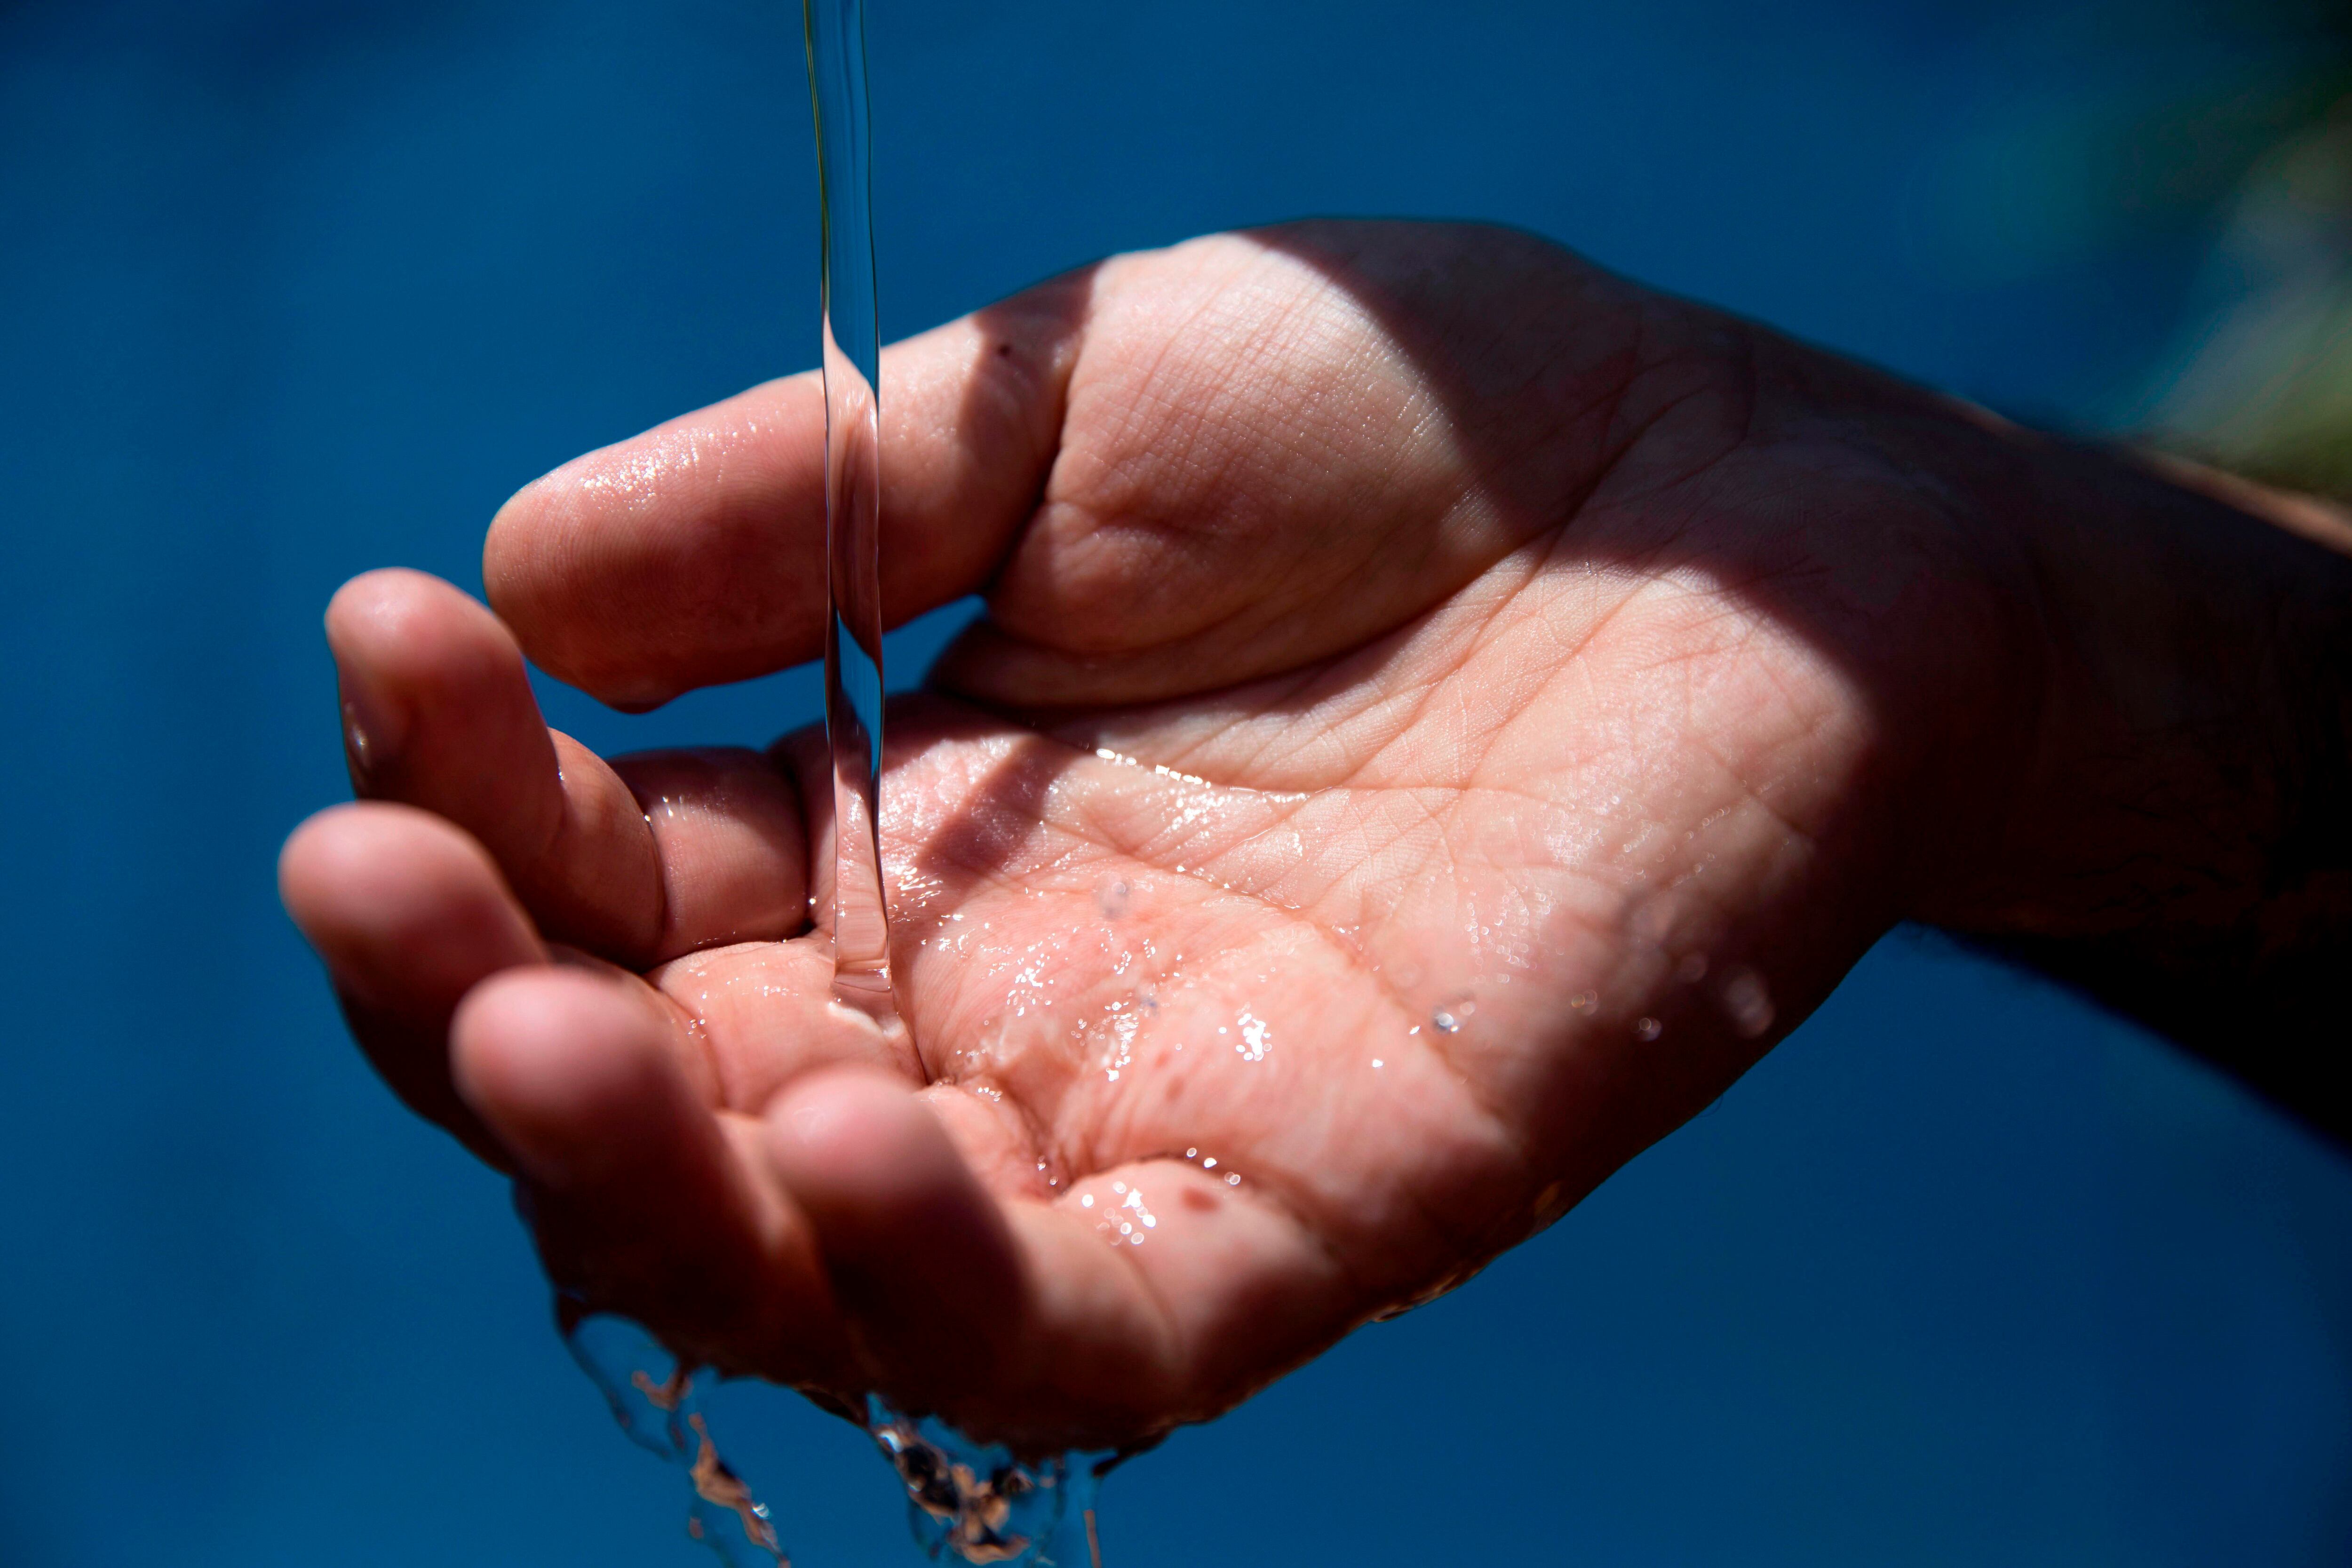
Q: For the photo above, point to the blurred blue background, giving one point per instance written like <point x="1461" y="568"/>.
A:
<point x="1965" y="1273"/>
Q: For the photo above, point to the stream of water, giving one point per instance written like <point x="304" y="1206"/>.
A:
<point x="853" y="501"/>
<point x="966" y="1501"/>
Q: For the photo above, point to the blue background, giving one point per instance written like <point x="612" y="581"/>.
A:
<point x="1965" y="1273"/>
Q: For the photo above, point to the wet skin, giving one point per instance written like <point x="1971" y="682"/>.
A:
<point x="1389" y="627"/>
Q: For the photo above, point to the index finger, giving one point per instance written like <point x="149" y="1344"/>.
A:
<point x="692" y="554"/>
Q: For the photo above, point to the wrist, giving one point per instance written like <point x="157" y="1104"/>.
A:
<point x="2176" y="836"/>
<point x="2189" y="739"/>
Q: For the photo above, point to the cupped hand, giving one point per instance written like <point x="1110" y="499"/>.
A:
<point x="1440" y="713"/>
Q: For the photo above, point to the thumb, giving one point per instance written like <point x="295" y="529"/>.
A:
<point x="692" y="554"/>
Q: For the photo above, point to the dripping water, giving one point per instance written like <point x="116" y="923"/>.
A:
<point x="967" y="1501"/>
<point x="976" y="1502"/>
<point x="652" y="1397"/>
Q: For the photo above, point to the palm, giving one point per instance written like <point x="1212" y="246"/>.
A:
<point x="1414" y="720"/>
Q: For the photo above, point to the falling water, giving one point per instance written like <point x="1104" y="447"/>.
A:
<point x="970" y="1499"/>
<point x="853" y="498"/>
<point x="651" y="1396"/>
<point x="966" y="1502"/>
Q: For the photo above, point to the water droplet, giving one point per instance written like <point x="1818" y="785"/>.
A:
<point x="1452" y="1012"/>
<point x="1691" y="969"/>
<point x="1749" y="1003"/>
<point x="1582" y="1000"/>
<point x="1256" y="1039"/>
<point x="1233" y="1179"/>
<point x="1648" y="1028"/>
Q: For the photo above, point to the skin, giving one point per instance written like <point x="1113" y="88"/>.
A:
<point x="1441" y="713"/>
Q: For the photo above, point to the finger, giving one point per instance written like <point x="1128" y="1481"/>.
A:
<point x="731" y="842"/>
<point x="693" y="554"/>
<point x="1153" y="1293"/>
<point x="1163" y="1295"/>
<point x="762" y="1013"/>
<point x="409" y="914"/>
<point x="918" y="1255"/>
<point x="1290" y="442"/>
<point x="439" y="714"/>
<point x="641" y="1201"/>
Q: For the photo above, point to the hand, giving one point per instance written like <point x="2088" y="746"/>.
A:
<point x="1441" y="713"/>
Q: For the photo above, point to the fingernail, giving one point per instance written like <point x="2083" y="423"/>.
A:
<point x="371" y="732"/>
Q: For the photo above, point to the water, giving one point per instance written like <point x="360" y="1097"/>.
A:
<point x="980" y="1504"/>
<point x="853" y="497"/>
<point x="966" y="1501"/>
<point x="652" y="1397"/>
